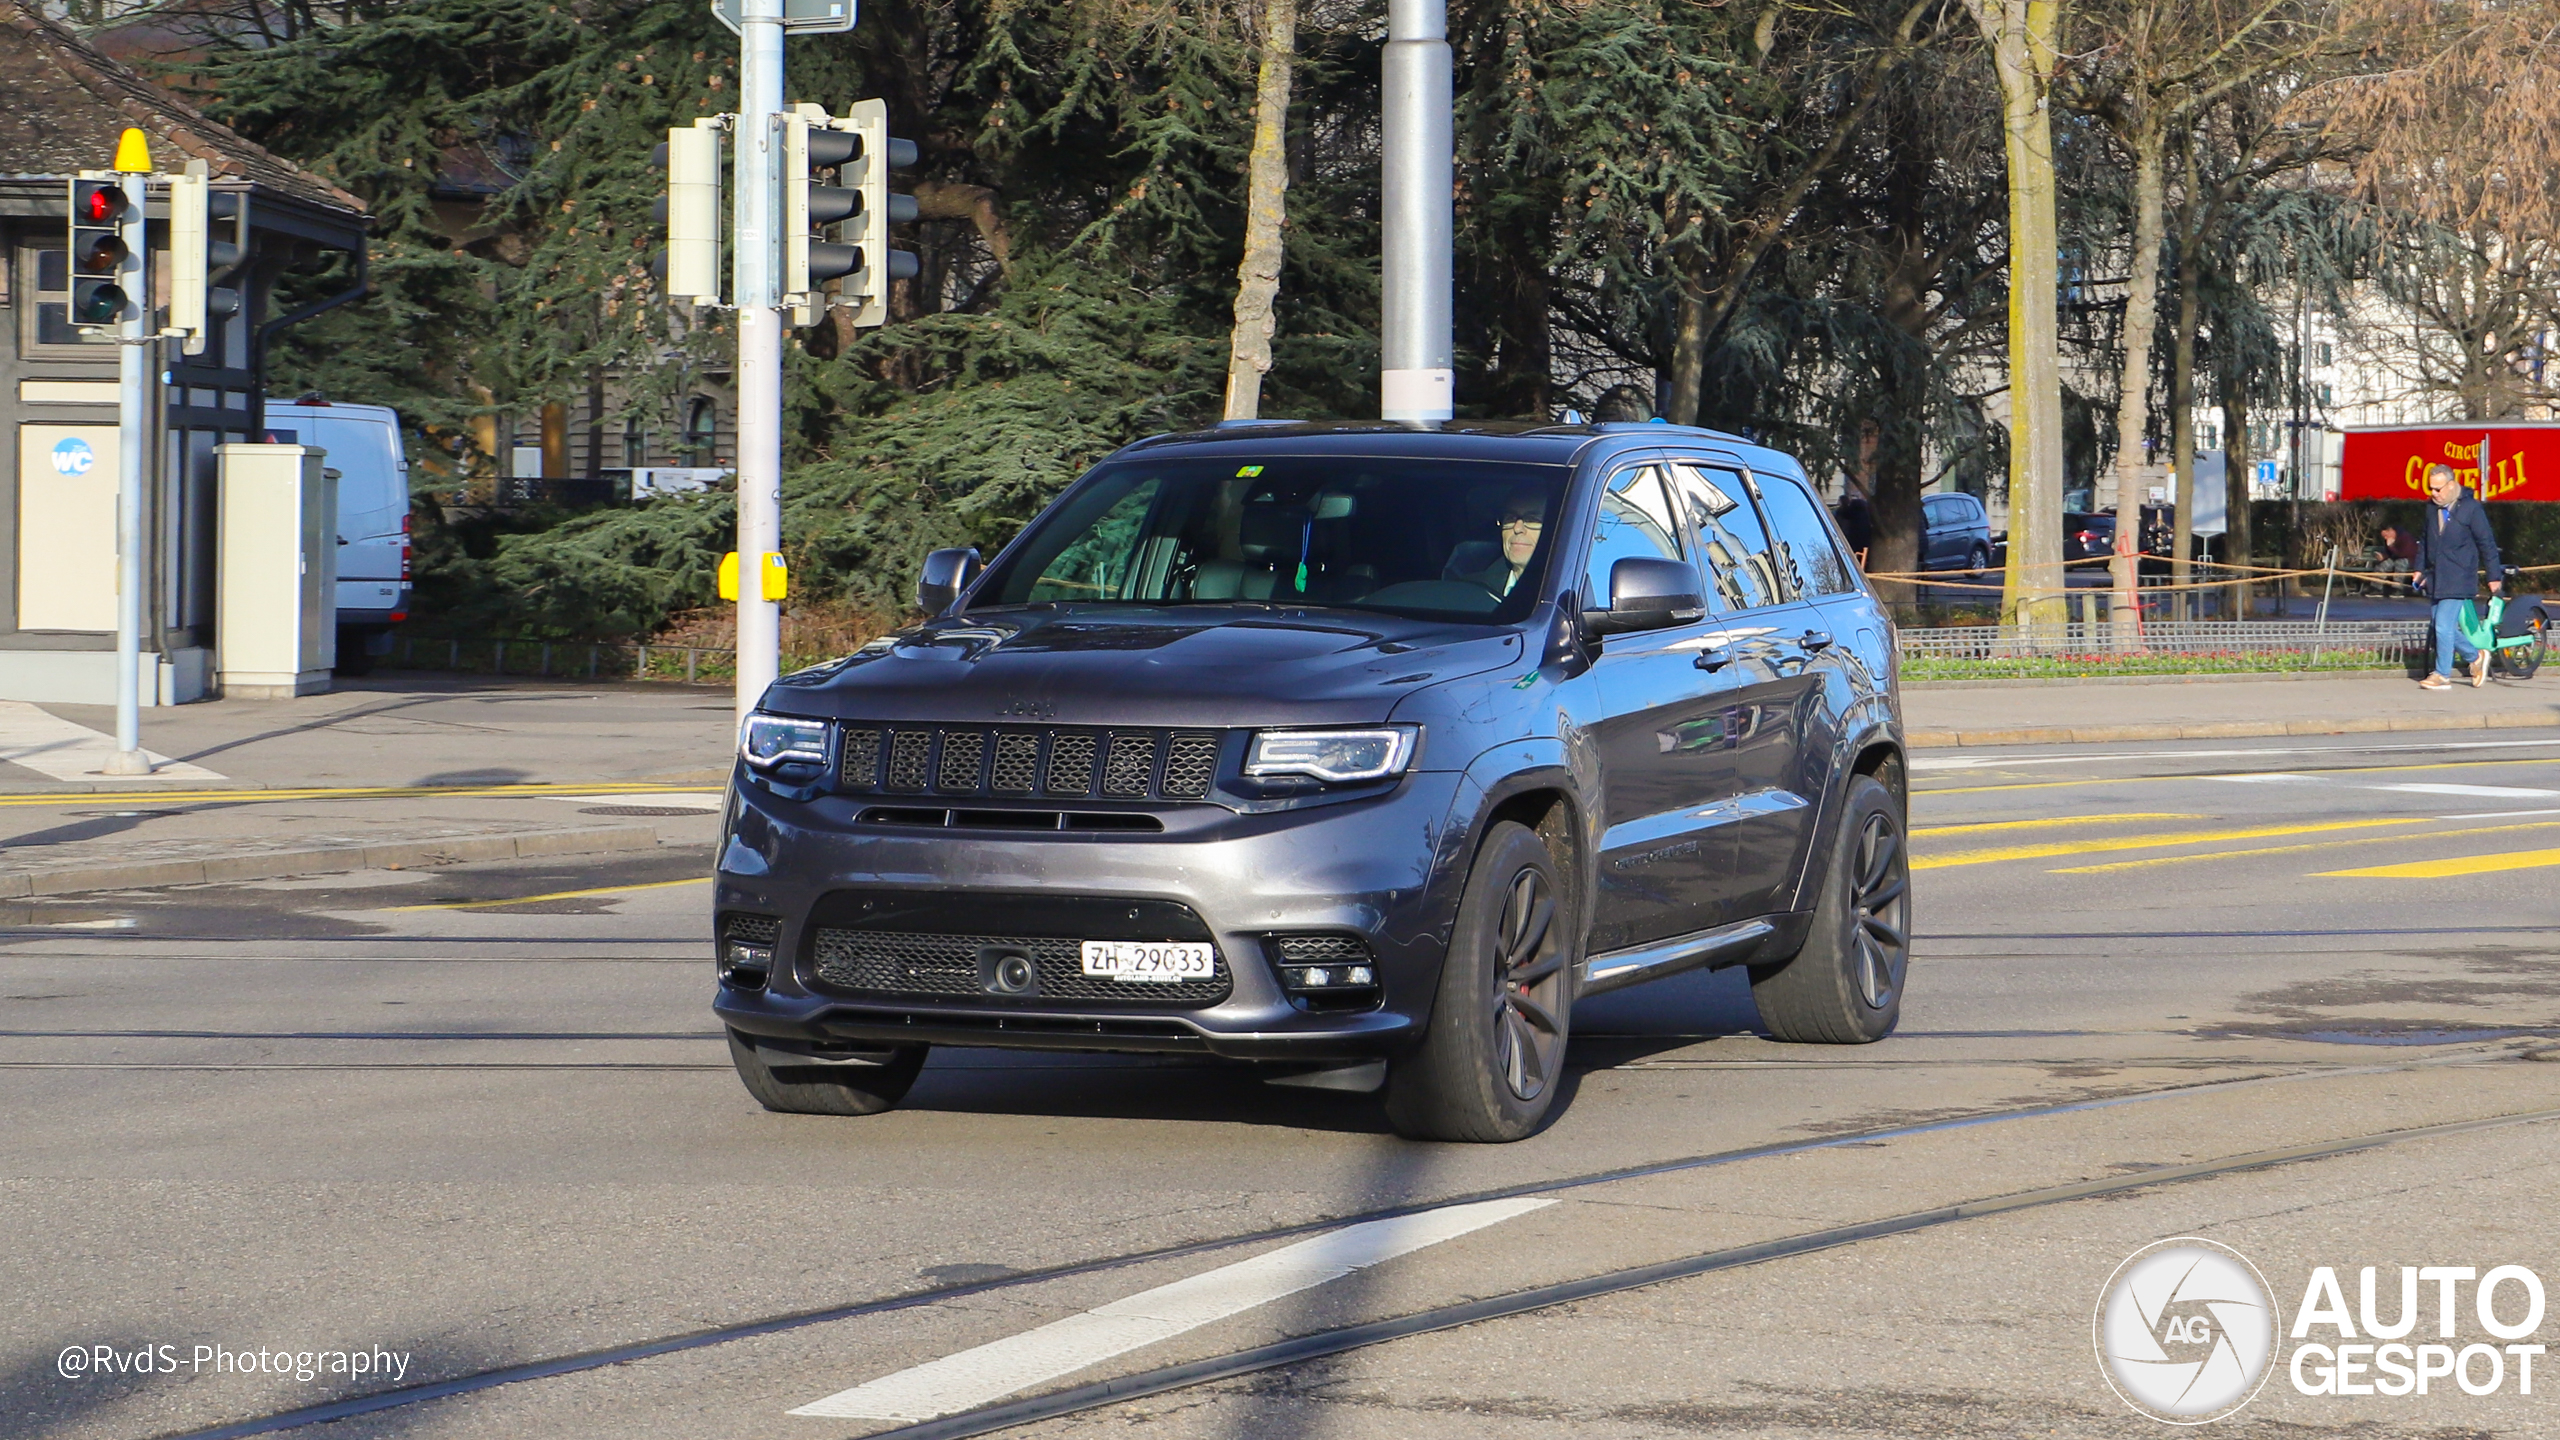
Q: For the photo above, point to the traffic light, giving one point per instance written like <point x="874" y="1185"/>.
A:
<point x="866" y="287"/>
<point x="811" y="143"/>
<point x="100" y="253"/>
<point x="691" y="212"/>
<point x="207" y="238"/>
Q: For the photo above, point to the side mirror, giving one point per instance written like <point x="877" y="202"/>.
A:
<point x="1647" y="592"/>
<point x="946" y="574"/>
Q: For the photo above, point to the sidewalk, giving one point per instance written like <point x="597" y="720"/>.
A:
<point x="383" y="774"/>
<point x="2215" y="707"/>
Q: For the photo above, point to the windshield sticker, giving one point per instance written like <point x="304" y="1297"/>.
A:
<point x="1247" y="472"/>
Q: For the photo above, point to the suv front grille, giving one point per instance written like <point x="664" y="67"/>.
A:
<point x="1110" y="764"/>
<point x="889" y="962"/>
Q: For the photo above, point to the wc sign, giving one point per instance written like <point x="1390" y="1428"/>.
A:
<point x="73" y="457"/>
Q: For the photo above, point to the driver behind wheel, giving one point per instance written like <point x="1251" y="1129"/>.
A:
<point x="1516" y="535"/>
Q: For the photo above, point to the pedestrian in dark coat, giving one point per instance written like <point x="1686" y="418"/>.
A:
<point x="2454" y="547"/>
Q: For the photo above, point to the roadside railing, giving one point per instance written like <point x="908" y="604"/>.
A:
<point x="2386" y="641"/>
<point x="572" y="659"/>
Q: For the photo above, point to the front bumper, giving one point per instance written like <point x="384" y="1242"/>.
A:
<point x="1379" y="868"/>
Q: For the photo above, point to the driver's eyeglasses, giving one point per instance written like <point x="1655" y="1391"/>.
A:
<point x="1523" y="522"/>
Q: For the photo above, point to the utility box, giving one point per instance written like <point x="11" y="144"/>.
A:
<point x="276" y="616"/>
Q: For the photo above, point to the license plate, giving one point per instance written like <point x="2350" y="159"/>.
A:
<point x="1149" y="962"/>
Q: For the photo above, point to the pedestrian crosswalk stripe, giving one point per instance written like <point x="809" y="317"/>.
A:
<point x="2048" y="824"/>
<point x="2459" y="865"/>
<point x="2146" y="842"/>
<point x="2403" y="838"/>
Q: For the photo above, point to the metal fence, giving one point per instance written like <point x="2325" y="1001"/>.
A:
<point x="2385" y="641"/>
<point x="570" y="660"/>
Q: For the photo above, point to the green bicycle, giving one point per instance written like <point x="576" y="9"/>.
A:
<point x="2514" y="646"/>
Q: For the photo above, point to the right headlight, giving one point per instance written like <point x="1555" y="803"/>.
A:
<point x="1334" y="756"/>
<point x="770" y="740"/>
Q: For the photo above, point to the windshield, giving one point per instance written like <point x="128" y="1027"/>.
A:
<point x="1433" y="539"/>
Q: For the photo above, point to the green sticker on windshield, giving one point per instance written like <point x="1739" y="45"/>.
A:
<point x="1247" y="472"/>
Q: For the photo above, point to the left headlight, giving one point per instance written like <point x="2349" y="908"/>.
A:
<point x="1334" y="756"/>
<point x="771" y="740"/>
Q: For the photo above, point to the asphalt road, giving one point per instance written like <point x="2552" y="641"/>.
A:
<point x="478" y="1119"/>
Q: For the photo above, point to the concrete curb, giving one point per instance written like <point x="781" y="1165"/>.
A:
<point x="1946" y="739"/>
<point x="144" y="785"/>
<point x="274" y="864"/>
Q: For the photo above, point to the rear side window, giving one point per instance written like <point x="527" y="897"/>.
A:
<point x="1636" y="518"/>
<point x="1740" y="573"/>
<point x="1805" y="547"/>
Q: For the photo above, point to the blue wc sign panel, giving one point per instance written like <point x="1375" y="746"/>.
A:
<point x="72" y="456"/>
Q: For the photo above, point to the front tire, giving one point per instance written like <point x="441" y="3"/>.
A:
<point x="1845" y="986"/>
<point x="1493" y="1054"/>
<point x="825" y="1089"/>
<point x="1977" y="560"/>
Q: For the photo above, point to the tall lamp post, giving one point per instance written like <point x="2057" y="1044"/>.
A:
<point x="1419" y="212"/>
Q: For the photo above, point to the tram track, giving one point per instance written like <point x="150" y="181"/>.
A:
<point x="1355" y="1337"/>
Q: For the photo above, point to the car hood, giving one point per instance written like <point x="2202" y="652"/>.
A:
<point x="1193" y="665"/>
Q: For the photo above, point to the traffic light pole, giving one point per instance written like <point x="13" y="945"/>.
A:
<point x="759" y="346"/>
<point x="133" y="396"/>
<point x="1418" y="210"/>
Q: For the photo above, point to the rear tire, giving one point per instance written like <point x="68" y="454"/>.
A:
<point x="2520" y="661"/>
<point x="1493" y="1054"/>
<point x="1844" y="987"/>
<point x="1977" y="560"/>
<point x="825" y="1089"/>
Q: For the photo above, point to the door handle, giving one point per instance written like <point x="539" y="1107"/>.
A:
<point x="1713" y="660"/>
<point x="1816" y="641"/>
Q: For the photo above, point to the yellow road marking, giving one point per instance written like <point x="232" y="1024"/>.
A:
<point x="364" y="792"/>
<point x="2058" y="820"/>
<point x="2402" y="839"/>
<point x="2139" y="842"/>
<point x="1924" y="789"/>
<point x="554" y="895"/>
<point x="2461" y="865"/>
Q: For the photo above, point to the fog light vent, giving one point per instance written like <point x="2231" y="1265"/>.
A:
<point x="746" y="950"/>
<point x="1327" y="972"/>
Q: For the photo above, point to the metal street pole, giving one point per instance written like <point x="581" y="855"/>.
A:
<point x="133" y="403"/>
<point x="759" y="346"/>
<point x="1418" y="205"/>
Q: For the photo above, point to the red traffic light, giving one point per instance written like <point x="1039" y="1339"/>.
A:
<point x="99" y="203"/>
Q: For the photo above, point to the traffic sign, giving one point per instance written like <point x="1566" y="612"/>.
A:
<point x="799" y="17"/>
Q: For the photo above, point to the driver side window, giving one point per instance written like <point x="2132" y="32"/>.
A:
<point x="1636" y="518"/>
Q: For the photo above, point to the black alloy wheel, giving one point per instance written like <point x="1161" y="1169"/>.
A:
<point x="1845" y="986"/>
<point x="1880" y="905"/>
<point x="1529" y="965"/>
<point x="1490" y="1063"/>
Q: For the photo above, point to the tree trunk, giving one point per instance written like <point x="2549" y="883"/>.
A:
<point x="2021" y="38"/>
<point x="1266" y="201"/>
<point x="2133" y="395"/>
<point x="1689" y="345"/>
<point x="2236" y="460"/>
<point x="2182" y="430"/>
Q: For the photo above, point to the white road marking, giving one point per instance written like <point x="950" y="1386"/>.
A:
<point x="56" y="748"/>
<point x="1978" y="762"/>
<point x="2486" y="792"/>
<point x="995" y="1370"/>
<point x="2498" y="815"/>
<point x="2272" y="777"/>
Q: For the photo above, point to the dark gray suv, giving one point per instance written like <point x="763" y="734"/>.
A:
<point x="1355" y="752"/>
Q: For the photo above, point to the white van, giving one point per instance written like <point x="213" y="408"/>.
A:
<point x="365" y="454"/>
